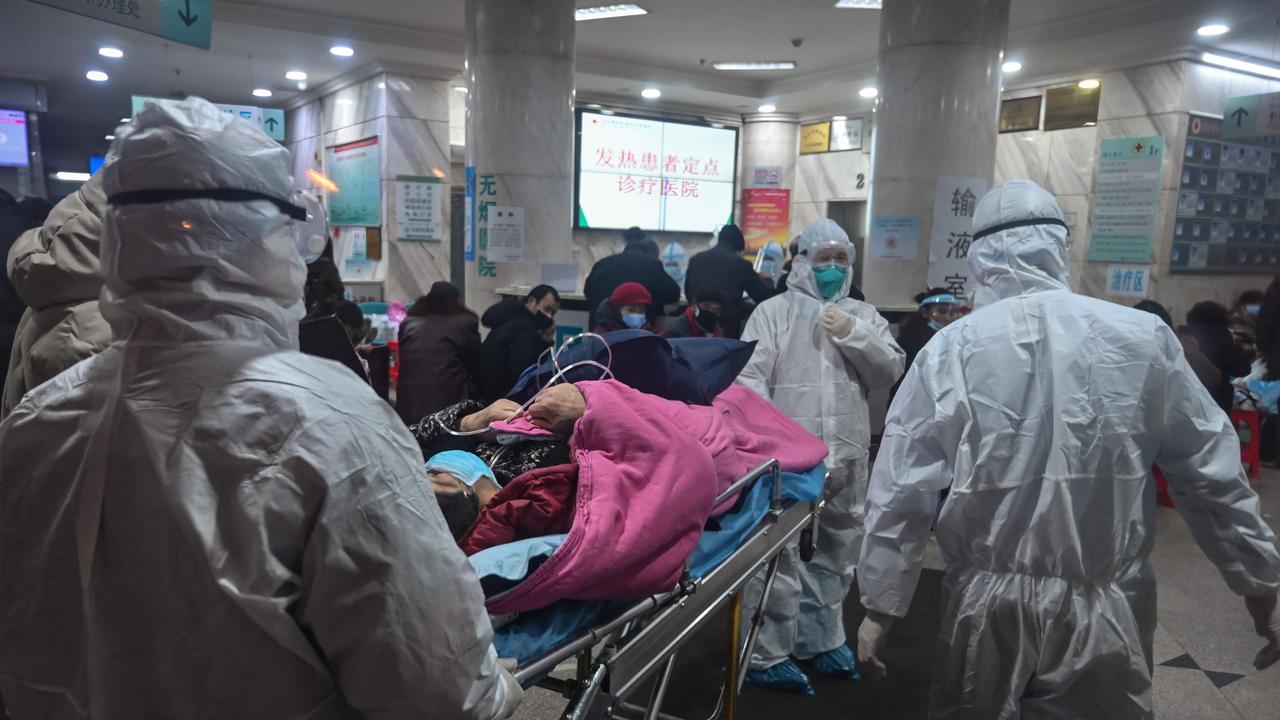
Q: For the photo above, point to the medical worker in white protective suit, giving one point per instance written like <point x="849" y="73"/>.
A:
<point x="1044" y="411"/>
<point x="818" y="355"/>
<point x="200" y="522"/>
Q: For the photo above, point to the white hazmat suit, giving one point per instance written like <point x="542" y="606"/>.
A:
<point x="821" y="380"/>
<point x="1043" y="411"/>
<point x="200" y="522"/>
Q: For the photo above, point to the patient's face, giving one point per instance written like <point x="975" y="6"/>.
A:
<point x="446" y="483"/>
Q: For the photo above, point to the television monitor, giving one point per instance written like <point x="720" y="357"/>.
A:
<point x="13" y="139"/>
<point x="662" y="175"/>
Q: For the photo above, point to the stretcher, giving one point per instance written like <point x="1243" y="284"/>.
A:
<point x="618" y="657"/>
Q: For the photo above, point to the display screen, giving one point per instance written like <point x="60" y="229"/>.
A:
<point x="659" y="175"/>
<point x="13" y="138"/>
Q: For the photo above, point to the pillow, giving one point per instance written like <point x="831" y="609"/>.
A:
<point x="641" y="360"/>
<point x="502" y="567"/>
<point x="715" y="362"/>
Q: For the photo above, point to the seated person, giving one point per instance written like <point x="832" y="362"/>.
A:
<point x="701" y="319"/>
<point x="627" y="307"/>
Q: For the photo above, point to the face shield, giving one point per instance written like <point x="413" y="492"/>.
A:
<point x="310" y="236"/>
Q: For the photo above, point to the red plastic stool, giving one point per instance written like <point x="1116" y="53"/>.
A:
<point x="1249" y="428"/>
<point x="1162" y="488"/>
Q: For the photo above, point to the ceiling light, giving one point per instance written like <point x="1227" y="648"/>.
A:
<point x="345" y="101"/>
<point x="1091" y="123"/>
<point x="115" y="52"/>
<point x="651" y="93"/>
<point x="302" y="84"/>
<point x="125" y="120"/>
<point x="382" y="86"/>
<point x="1089" y="84"/>
<point x="1241" y="65"/>
<point x="761" y="65"/>
<point x="859" y="4"/>
<point x="1213" y="30"/>
<point x="261" y="92"/>
<point x="1012" y="66"/>
<point x="593" y="106"/>
<point x="96" y="76"/>
<point x="342" y="51"/>
<point x="609" y="11"/>
<point x="460" y="88"/>
<point x="109" y="137"/>
<point x="868" y="92"/>
<point x="295" y="75"/>
<point x="71" y="176"/>
<point x="606" y="111"/>
<point x="767" y="108"/>
<point x="839" y="117"/>
<point x="719" y="126"/>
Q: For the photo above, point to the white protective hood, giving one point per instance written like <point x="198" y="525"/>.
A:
<point x="1023" y="259"/>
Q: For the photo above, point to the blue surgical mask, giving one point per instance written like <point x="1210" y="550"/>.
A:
<point x="634" y="320"/>
<point x="830" y="279"/>
<point x="936" y="325"/>
<point x="465" y="466"/>
<point x="1253" y="309"/>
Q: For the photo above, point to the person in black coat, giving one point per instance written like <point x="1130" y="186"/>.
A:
<point x="724" y="269"/>
<point x="1209" y="324"/>
<point x="520" y="331"/>
<point x="16" y="217"/>
<point x="638" y="262"/>
<point x="439" y="352"/>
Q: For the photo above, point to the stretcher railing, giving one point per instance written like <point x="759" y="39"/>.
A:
<point x="616" y="658"/>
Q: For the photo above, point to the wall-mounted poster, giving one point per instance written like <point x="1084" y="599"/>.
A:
<point x="1071" y="107"/>
<point x="766" y="216"/>
<point x="1020" y="114"/>
<point x="1125" y="198"/>
<point x="356" y="169"/>
<point x="815" y="137"/>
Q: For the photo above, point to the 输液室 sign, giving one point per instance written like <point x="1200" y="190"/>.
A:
<point x="954" y="201"/>
<point x="356" y="170"/>
<point x="271" y="120"/>
<point x="1251" y="116"/>
<point x="1125" y="198"/>
<point x="189" y="22"/>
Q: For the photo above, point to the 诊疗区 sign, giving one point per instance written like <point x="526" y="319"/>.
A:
<point x="189" y="22"/>
<point x="271" y="120"/>
<point x="1126" y="195"/>
<point x="954" y="201"/>
<point x="1128" y="280"/>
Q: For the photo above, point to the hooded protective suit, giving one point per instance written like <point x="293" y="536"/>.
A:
<point x="200" y="522"/>
<point x="1044" y="411"/>
<point x="821" y="381"/>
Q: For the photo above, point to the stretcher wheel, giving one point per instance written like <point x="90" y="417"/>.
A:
<point x="806" y="544"/>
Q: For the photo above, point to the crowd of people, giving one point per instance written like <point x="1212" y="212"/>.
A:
<point x="197" y="520"/>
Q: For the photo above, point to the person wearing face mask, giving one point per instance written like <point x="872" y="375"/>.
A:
<point x="1244" y="320"/>
<point x="724" y="269"/>
<point x="819" y="354"/>
<point x="699" y="320"/>
<point x="626" y="308"/>
<point x="937" y="308"/>
<point x="520" y="332"/>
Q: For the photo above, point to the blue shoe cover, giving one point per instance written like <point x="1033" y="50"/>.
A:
<point x="785" y="676"/>
<point x="838" y="663"/>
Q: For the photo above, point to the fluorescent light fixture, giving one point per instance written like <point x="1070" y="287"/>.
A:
<point x="859" y="4"/>
<point x="766" y="108"/>
<point x="115" y="52"/>
<point x="606" y="111"/>
<point x="295" y="75"/>
<point x="1213" y="30"/>
<point x="109" y="137"/>
<point x="754" y="65"/>
<point x="125" y="120"/>
<point x="651" y="93"/>
<point x="839" y="117"/>
<point x="460" y="88"/>
<point x="345" y="101"/>
<point x="868" y="92"/>
<point x="65" y="176"/>
<point x="609" y="11"/>
<point x="341" y="51"/>
<point x="1012" y="66"/>
<point x="1089" y="84"/>
<point x="96" y="76"/>
<point x="1242" y="65"/>
<point x="261" y="92"/>
<point x="1091" y="123"/>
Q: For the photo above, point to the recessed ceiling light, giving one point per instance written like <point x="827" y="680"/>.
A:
<point x="1012" y="66"/>
<point x="302" y="84"/>
<point x="295" y="75"/>
<point x="1089" y="84"/>
<point x="1213" y="30"/>
<point x="859" y="4"/>
<point x="125" y="120"/>
<point x="96" y="76"/>
<point x="609" y="11"/>
<point x="115" y="52"/>
<point x="382" y="86"/>
<point x="593" y="106"/>
<point x="71" y="176"/>
<point x="109" y="137"/>
<point x="719" y="126"/>
<point x="760" y="65"/>
<point x="839" y="117"/>
<point x="342" y="51"/>
<point x="1242" y="65"/>
<point x="767" y="108"/>
<point x="651" y="93"/>
<point x="868" y="92"/>
<point x="261" y="92"/>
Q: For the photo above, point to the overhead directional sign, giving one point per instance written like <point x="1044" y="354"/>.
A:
<point x="1251" y="116"/>
<point x="271" y="120"/>
<point x="189" y="22"/>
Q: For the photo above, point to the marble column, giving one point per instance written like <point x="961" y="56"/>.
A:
<point x="770" y="140"/>
<point x="519" y="74"/>
<point x="939" y="83"/>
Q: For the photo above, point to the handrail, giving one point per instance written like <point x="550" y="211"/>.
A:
<point x="769" y="466"/>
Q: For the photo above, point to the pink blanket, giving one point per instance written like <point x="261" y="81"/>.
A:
<point x="649" y="471"/>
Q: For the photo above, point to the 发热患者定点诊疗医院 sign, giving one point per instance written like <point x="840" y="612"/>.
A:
<point x="1125" y="198"/>
<point x="189" y="22"/>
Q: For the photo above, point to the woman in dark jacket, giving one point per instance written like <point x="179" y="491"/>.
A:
<point x="1210" y="325"/>
<point x="439" y="349"/>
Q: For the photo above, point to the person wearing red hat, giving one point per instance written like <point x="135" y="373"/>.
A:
<point x="627" y="307"/>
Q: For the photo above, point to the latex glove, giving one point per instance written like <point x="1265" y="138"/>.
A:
<point x="837" y="322"/>
<point x="875" y="626"/>
<point x="513" y="693"/>
<point x="1266" y="621"/>
<point x="558" y="408"/>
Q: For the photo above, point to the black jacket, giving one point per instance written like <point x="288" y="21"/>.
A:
<point x="724" y="270"/>
<point x="513" y="344"/>
<point x="438" y="353"/>
<point x="913" y="334"/>
<point x="629" y="266"/>
<point x="1217" y="343"/>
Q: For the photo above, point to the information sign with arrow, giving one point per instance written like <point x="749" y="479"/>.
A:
<point x="189" y="22"/>
<point x="1251" y="116"/>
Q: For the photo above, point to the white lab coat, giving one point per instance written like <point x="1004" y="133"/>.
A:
<point x="200" y="522"/>
<point x="1044" y="411"/>
<point x="822" y="383"/>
